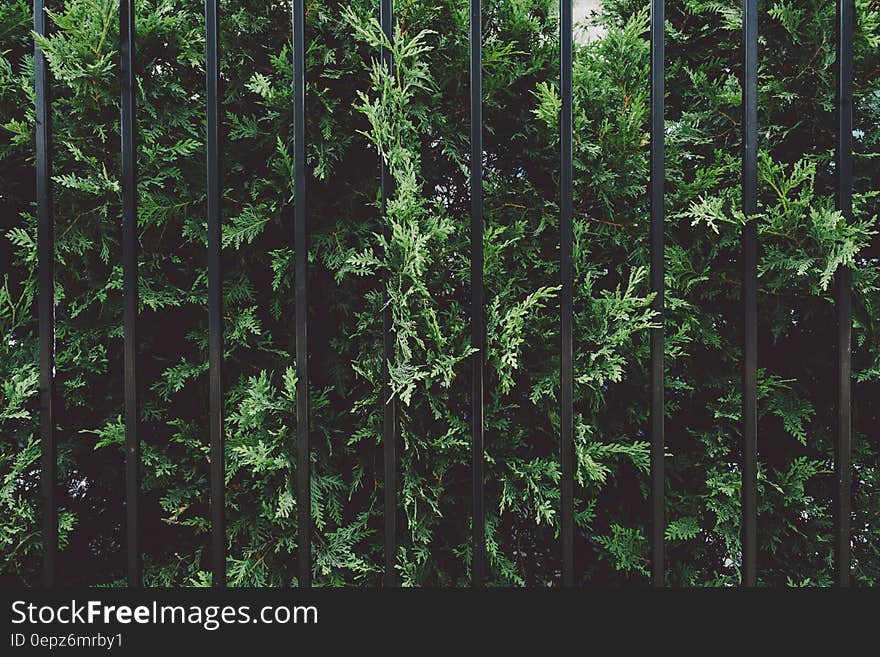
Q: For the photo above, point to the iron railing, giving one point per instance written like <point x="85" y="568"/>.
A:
<point x="750" y="294"/>
<point x="390" y="429"/>
<point x="128" y="130"/>
<point x="844" y="156"/>
<point x="658" y="270"/>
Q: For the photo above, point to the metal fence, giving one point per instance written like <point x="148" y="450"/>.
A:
<point x="128" y="130"/>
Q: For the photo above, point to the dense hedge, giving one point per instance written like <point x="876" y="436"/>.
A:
<point x="419" y="118"/>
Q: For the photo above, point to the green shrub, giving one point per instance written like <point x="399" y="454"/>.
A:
<point x="418" y="118"/>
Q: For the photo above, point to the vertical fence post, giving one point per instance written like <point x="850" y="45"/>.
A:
<point x="478" y="332"/>
<point x="300" y="238"/>
<point x="658" y="289"/>
<point x="566" y="235"/>
<point x="389" y="427"/>
<point x="46" y="297"/>
<point x="844" y="166"/>
<point x="215" y="294"/>
<point x="130" y="287"/>
<point x="750" y="295"/>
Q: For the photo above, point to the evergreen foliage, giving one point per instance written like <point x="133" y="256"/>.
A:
<point x="416" y="117"/>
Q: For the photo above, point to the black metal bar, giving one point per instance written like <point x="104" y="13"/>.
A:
<point x="478" y="332"/>
<point x="300" y="237"/>
<point x="215" y="295"/>
<point x="389" y="428"/>
<point x="130" y="287"/>
<point x="843" y="460"/>
<point x="750" y="296"/>
<point x="46" y="298"/>
<point x="566" y="234"/>
<point x="658" y="523"/>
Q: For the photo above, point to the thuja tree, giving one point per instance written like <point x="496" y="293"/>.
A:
<point x="417" y="257"/>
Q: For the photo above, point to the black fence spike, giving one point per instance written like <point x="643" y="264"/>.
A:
<point x="303" y="485"/>
<point x="46" y="298"/>
<point x="130" y="287"/>
<point x="566" y="238"/>
<point x="750" y="295"/>
<point x="478" y="330"/>
<point x="844" y="166"/>
<point x="215" y="295"/>
<point x="658" y="289"/>
<point x="389" y="421"/>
